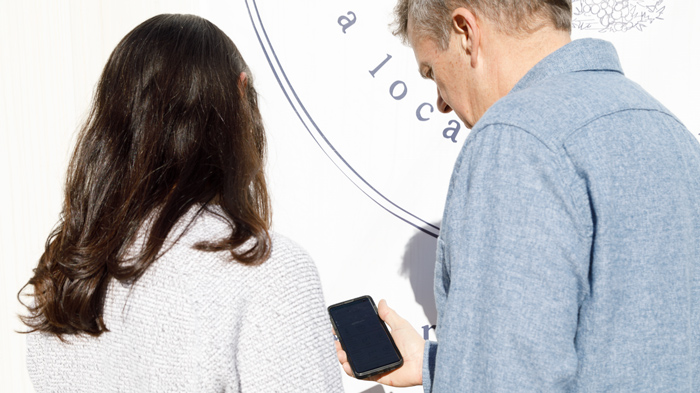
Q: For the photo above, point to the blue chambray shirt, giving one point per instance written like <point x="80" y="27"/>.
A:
<point x="569" y="256"/>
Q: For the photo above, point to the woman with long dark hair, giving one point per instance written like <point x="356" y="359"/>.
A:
<point x="161" y="274"/>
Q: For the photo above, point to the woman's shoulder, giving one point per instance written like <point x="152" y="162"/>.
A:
<point x="288" y="261"/>
<point x="289" y="264"/>
<point x="286" y="249"/>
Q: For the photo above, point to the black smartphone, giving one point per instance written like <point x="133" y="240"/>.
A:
<point x="364" y="337"/>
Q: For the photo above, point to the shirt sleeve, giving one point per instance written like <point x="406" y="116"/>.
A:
<point x="512" y="269"/>
<point x="286" y="342"/>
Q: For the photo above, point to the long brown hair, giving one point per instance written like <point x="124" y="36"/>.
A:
<point x="172" y="127"/>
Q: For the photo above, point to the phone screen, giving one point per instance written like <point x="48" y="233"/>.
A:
<point x="364" y="337"/>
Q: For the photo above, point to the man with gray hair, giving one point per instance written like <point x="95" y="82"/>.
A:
<point x="569" y="255"/>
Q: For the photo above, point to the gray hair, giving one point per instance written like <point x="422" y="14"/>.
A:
<point x="431" y="18"/>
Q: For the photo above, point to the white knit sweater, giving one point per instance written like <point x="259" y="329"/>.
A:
<point x="200" y="322"/>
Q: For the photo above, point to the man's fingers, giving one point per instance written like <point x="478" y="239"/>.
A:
<point x="348" y="369"/>
<point x="342" y="356"/>
<point x="343" y="359"/>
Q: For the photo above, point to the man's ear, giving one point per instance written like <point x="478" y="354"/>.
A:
<point x="464" y="24"/>
<point x="243" y="82"/>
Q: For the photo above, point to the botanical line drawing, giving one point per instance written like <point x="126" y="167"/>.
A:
<point x="616" y="15"/>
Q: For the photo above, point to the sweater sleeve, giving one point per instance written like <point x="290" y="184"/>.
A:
<point x="286" y="341"/>
<point x="512" y="270"/>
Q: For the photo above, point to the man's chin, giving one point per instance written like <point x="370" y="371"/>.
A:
<point x="466" y="122"/>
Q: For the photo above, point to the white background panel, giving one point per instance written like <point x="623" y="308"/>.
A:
<point x="51" y="55"/>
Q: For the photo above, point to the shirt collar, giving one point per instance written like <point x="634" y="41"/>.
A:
<point x="586" y="54"/>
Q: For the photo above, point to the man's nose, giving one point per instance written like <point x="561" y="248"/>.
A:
<point x="442" y="105"/>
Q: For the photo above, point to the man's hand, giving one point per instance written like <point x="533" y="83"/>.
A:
<point x="410" y="344"/>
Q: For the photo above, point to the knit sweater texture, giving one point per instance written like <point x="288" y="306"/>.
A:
<point x="200" y="322"/>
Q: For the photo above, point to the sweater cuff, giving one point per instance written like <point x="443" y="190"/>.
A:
<point x="429" y="354"/>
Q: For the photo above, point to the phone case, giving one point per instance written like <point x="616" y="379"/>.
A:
<point x="375" y="371"/>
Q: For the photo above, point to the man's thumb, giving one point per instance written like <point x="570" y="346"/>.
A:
<point x="389" y="315"/>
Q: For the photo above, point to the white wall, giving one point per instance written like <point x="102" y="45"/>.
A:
<point x="51" y="54"/>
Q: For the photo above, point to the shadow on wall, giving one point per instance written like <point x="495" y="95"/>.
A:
<point x="419" y="266"/>
<point x="375" y="389"/>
